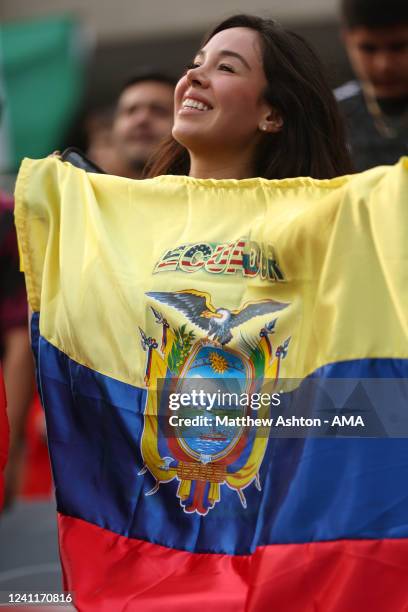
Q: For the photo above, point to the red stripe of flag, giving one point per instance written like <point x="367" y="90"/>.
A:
<point x="107" y="571"/>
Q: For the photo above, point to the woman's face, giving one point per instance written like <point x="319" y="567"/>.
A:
<point x="219" y="103"/>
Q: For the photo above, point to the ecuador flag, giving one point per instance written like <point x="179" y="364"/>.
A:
<point x="138" y="286"/>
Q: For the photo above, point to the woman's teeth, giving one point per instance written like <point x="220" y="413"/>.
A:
<point x="190" y="103"/>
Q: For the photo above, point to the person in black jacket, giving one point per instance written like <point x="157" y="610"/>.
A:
<point x="375" y="105"/>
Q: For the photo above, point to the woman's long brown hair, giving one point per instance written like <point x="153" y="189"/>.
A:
<point x="312" y="141"/>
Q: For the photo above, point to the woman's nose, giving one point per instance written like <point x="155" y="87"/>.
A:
<point x="197" y="76"/>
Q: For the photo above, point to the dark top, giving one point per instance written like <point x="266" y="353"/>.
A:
<point x="368" y="146"/>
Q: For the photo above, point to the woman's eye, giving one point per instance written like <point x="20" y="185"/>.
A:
<point x="192" y="65"/>
<point x="226" y="67"/>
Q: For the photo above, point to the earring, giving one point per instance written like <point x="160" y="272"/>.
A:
<point x="264" y="128"/>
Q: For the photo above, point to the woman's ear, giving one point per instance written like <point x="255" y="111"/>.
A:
<point x="272" y="122"/>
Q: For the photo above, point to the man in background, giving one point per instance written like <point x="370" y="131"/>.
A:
<point x="143" y="117"/>
<point x="375" y="106"/>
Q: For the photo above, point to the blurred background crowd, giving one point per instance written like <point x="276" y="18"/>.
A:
<point x="99" y="75"/>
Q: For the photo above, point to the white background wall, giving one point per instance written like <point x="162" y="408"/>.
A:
<point x="119" y="19"/>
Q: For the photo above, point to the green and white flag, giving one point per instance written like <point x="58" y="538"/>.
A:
<point x="41" y="81"/>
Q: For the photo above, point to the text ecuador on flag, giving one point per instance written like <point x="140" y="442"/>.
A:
<point x="137" y="284"/>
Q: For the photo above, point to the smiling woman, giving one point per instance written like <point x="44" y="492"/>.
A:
<point x="142" y="289"/>
<point x="254" y="102"/>
<point x="220" y="110"/>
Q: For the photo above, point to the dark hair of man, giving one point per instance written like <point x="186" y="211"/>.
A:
<point x="148" y="76"/>
<point x="373" y="13"/>
<point x="311" y="142"/>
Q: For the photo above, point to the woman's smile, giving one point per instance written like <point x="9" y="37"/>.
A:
<point x="193" y="102"/>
